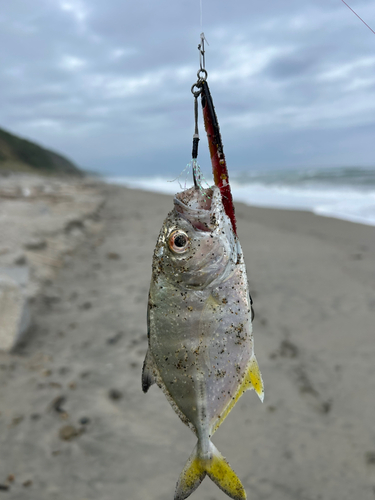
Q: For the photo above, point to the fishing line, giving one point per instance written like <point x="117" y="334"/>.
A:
<point x="360" y="18"/>
<point x="193" y="164"/>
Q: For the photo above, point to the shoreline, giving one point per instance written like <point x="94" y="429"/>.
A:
<point x="75" y="423"/>
<point x="342" y="202"/>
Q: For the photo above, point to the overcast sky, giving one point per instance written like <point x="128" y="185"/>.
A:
<point x="108" y="83"/>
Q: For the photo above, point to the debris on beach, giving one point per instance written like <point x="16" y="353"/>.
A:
<point x="42" y="221"/>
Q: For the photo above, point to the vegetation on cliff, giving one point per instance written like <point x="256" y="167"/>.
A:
<point x="17" y="154"/>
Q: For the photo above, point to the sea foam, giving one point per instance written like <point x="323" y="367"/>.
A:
<point x="343" y="193"/>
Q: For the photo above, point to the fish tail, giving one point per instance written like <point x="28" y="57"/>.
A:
<point x="221" y="473"/>
<point x="216" y="467"/>
<point x="191" y="476"/>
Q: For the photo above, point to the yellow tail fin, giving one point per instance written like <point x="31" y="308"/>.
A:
<point x="216" y="467"/>
<point x="191" y="476"/>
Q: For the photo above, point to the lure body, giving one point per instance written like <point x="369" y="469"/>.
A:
<point x="219" y="165"/>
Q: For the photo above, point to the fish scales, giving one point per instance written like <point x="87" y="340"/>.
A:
<point x="200" y="333"/>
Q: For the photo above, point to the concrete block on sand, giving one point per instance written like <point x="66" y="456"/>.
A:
<point x="14" y="311"/>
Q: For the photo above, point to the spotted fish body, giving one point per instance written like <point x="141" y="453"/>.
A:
<point x="200" y="334"/>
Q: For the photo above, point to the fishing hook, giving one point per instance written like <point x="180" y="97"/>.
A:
<point x="196" y="90"/>
<point x="202" y="73"/>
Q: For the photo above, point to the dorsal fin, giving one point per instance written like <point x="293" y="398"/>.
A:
<point x="148" y="377"/>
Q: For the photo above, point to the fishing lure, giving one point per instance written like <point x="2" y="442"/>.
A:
<point x="215" y="144"/>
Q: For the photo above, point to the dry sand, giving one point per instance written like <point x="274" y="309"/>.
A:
<point x="75" y="425"/>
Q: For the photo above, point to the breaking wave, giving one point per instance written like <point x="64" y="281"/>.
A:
<point x="343" y="193"/>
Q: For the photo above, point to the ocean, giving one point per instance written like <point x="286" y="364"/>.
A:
<point x="344" y="193"/>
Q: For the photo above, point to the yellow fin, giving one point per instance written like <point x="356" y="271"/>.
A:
<point x="191" y="476"/>
<point x="221" y="473"/>
<point x="252" y="380"/>
<point x="216" y="467"/>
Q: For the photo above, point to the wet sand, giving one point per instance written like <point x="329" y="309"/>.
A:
<point x="74" y="423"/>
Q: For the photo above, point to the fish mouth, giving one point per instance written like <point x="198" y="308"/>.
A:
<point x="197" y="206"/>
<point x="195" y="199"/>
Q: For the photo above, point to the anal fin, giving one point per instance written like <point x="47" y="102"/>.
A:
<point x="252" y="380"/>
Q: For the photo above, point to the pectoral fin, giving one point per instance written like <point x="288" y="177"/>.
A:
<point x="148" y="377"/>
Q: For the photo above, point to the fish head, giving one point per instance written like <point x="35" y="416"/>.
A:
<point x="196" y="245"/>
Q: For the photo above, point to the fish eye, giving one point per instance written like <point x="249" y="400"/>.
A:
<point x="178" y="241"/>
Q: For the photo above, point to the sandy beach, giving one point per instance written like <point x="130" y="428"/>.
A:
<point x="74" y="423"/>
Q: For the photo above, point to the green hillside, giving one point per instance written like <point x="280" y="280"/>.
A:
<point x="17" y="154"/>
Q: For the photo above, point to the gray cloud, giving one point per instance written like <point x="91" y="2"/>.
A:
<point x="109" y="83"/>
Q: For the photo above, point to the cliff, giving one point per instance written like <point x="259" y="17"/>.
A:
<point x="17" y="154"/>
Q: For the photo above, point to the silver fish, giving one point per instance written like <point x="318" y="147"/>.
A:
<point x="201" y="351"/>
